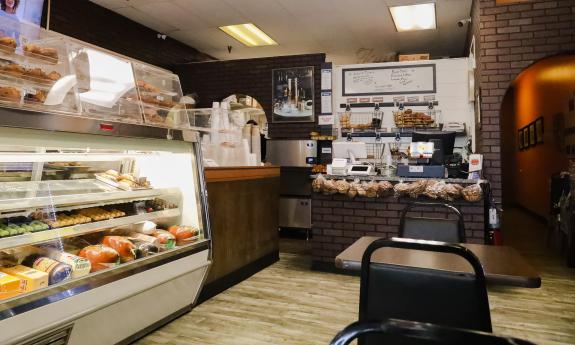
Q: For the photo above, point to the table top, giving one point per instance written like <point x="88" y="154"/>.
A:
<point x="502" y="265"/>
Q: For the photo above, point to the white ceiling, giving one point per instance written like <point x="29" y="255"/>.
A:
<point x="348" y="31"/>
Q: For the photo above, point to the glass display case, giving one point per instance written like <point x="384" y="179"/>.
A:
<point x="160" y="93"/>
<point x="81" y="213"/>
<point x="106" y="86"/>
<point x="34" y="69"/>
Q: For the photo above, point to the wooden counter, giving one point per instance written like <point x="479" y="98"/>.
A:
<point x="243" y="204"/>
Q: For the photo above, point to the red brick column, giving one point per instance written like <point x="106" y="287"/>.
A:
<point x="510" y="38"/>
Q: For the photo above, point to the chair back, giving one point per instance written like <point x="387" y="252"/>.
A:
<point x="425" y="295"/>
<point x="409" y="332"/>
<point x="434" y="229"/>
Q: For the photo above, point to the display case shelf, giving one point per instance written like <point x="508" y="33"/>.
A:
<point x="16" y="196"/>
<point x="81" y="229"/>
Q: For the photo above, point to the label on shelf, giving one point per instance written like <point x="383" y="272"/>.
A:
<point x="415" y="168"/>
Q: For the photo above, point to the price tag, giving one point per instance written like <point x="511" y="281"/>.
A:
<point x="325" y="120"/>
<point x="159" y="98"/>
<point x="416" y="168"/>
<point x="29" y="91"/>
<point x="326" y="150"/>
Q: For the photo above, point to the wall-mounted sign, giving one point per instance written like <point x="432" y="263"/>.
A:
<point x="389" y="80"/>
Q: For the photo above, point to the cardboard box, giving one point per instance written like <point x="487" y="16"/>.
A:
<point x="32" y="279"/>
<point x="9" y="285"/>
<point x="413" y="57"/>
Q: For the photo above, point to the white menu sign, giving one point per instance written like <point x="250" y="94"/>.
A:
<point x="405" y="79"/>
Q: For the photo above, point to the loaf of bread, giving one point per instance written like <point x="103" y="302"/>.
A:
<point x="101" y="257"/>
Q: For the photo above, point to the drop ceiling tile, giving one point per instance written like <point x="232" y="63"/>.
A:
<point x="179" y="17"/>
<point x="214" y="12"/>
<point x="111" y="4"/>
<point x="144" y="19"/>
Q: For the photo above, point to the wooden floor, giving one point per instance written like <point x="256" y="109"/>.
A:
<point x="288" y="303"/>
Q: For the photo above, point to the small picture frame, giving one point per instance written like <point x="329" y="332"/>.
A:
<point x="539" y="130"/>
<point x="520" y="139"/>
<point x="525" y="137"/>
<point x="532" y="139"/>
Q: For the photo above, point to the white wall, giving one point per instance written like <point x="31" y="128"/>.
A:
<point x="452" y="92"/>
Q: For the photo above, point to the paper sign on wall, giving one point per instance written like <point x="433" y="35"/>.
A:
<point x="326" y="79"/>
<point x="325" y="120"/>
<point x="326" y="102"/>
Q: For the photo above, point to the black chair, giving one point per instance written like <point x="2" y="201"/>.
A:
<point x="424" y="295"/>
<point x="409" y="332"/>
<point x="433" y="229"/>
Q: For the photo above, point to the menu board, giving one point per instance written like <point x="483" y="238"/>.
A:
<point x="392" y="80"/>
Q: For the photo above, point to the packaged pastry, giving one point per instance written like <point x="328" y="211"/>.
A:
<point x="452" y="192"/>
<point x="13" y="69"/>
<point x="329" y="187"/>
<point x="361" y="189"/>
<point x="342" y="186"/>
<point x="8" y="44"/>
<point x="371" y="189"/>
<point x="145" y="248"/>
<point x="431" y="190"/>
<point x="165" y="239"/>
<point x="125" y="248"/>
<point x="32" y="279"/>
<point x="384" y="188"/>
<point x="317" y="184"/>
<point x="139" y="237"/>
<point x="472" y="193"/>
<point x="80" y="266"/>
<point x="416" y="188"/>
<point x="184" y="234"/>
<point x="101" y="257"/>
<point x="57" y="271"/>
<point x="353" y="187"/>
<point x="401" y="189"/>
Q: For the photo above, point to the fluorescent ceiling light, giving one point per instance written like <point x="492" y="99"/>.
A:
<point x="414" y="17"/>
<point x="248" y="34"/>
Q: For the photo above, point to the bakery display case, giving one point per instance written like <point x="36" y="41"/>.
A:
<point x="97" y="225"/>
<point x="34" y="69"/>
<point x="160" y="93"/>
<point x="106" y="85"/>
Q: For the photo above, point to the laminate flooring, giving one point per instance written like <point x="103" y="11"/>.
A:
<point x="287" y="303"/>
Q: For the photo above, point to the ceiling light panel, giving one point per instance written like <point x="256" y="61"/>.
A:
<point x="414" y="17"/>
<point x="249" y="34"/>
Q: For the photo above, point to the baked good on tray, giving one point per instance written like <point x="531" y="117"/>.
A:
<point x="9" y="93"/>
<point x="50" y="54"/>
<point x="8" y="44"/>
<point x="147" y="86"/>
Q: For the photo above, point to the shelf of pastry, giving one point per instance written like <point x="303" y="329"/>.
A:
<point x="29" y="57"/>
<point x="174" y="117"/>
<point x="16" y="196"/>
<point x="19" y="75"/>
<point x="82" y="229"/>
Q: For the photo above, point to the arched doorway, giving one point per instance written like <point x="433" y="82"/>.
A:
<point x="537" y="105"/>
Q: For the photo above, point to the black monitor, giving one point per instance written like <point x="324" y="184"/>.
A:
<point x="447" y="139"/>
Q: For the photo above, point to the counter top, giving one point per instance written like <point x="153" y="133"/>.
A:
<point x="219" y="174"/>
<point x="398" y="179"/>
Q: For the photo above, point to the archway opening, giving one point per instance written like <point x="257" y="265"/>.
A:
<point x="536" y="114"/>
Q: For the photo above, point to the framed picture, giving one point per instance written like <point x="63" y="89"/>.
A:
<point x="525" y="137"/>
<point x="539" y="130"/>
<point x="293" y="95"/>
<point x="520" y="139"/>
<point x="532" y="139"/>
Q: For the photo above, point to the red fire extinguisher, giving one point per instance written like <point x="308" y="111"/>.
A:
<point x="495" y="237"/>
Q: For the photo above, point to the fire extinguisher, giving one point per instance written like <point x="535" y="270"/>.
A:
<point x="494" y="225"/>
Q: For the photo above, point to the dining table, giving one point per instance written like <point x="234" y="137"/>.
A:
<point x="503" y="265"/>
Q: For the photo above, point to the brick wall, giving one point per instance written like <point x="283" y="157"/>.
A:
<point x="338" y="221"/>
<point x="213" y="81"/>
<point x="511" y="37"/>
<point x="91" y="23"/>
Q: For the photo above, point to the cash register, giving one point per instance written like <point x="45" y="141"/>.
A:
<point x="429" y="150"/>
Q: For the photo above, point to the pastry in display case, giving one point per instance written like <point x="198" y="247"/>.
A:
<point x="160" y="94"/>
<point x="34" y="69"/>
